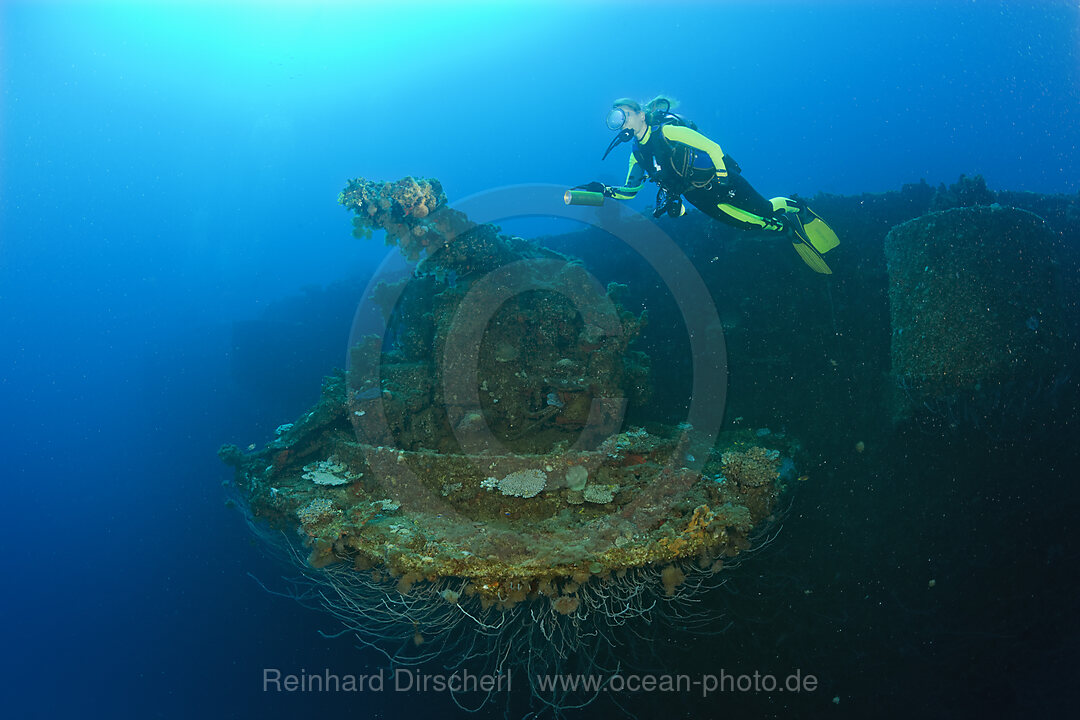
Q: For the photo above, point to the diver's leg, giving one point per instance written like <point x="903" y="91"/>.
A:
<point x="740" y="205"/>
<point x="736" y="203"/>
<point x="708" y="202"/>
<point x="742" y="195"/>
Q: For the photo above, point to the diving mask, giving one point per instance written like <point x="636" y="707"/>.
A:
<point x="616" y="118"/>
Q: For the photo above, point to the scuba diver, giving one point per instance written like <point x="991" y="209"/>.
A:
<point x="668" y="150"/>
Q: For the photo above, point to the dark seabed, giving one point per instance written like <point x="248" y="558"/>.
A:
<point x="884" y="521"/>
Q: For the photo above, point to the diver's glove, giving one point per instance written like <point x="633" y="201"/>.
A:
<point x="597" y="187"/>
<point x="675" y="207"/>
<point x="669" y="203"/>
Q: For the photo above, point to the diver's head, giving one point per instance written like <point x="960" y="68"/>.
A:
<point x="627" y="114"/>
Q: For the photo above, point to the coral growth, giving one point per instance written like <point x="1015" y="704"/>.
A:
<point x="523" y="483"/>
<point x="327" y="472"/>
<point x="317" y="512"/>
<point x="402" y="208"/>
<point x="751" y="468"/>
<point x="416" y="218"/>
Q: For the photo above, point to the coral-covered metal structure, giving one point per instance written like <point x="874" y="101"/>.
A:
<point x="477" y="441"/>
<point x="473" y="461"/>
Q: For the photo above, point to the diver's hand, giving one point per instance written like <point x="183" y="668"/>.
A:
<point x="596" y="187"/>
<point x="674" y="206"/>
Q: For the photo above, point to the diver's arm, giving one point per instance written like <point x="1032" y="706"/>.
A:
<point x="635" y="178"/>
<point x="686" y="136"/>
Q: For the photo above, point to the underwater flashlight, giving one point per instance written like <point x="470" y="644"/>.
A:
<point x="583" y="197"/>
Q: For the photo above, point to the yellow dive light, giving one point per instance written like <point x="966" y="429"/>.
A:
<point x="583" y="197"/>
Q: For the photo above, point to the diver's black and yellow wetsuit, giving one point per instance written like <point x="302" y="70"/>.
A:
<point x="685" y="162"/>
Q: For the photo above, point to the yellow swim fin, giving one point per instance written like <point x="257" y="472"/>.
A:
<point x="805" y="248"/>
<point x="820" y="235"/>
<point x="812" y="258"/>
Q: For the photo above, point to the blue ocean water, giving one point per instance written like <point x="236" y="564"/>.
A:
<point x="168" y="171"/>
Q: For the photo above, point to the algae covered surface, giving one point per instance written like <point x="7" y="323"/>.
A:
<point x="510" y="525"/>
<point x="974" y="300"/>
